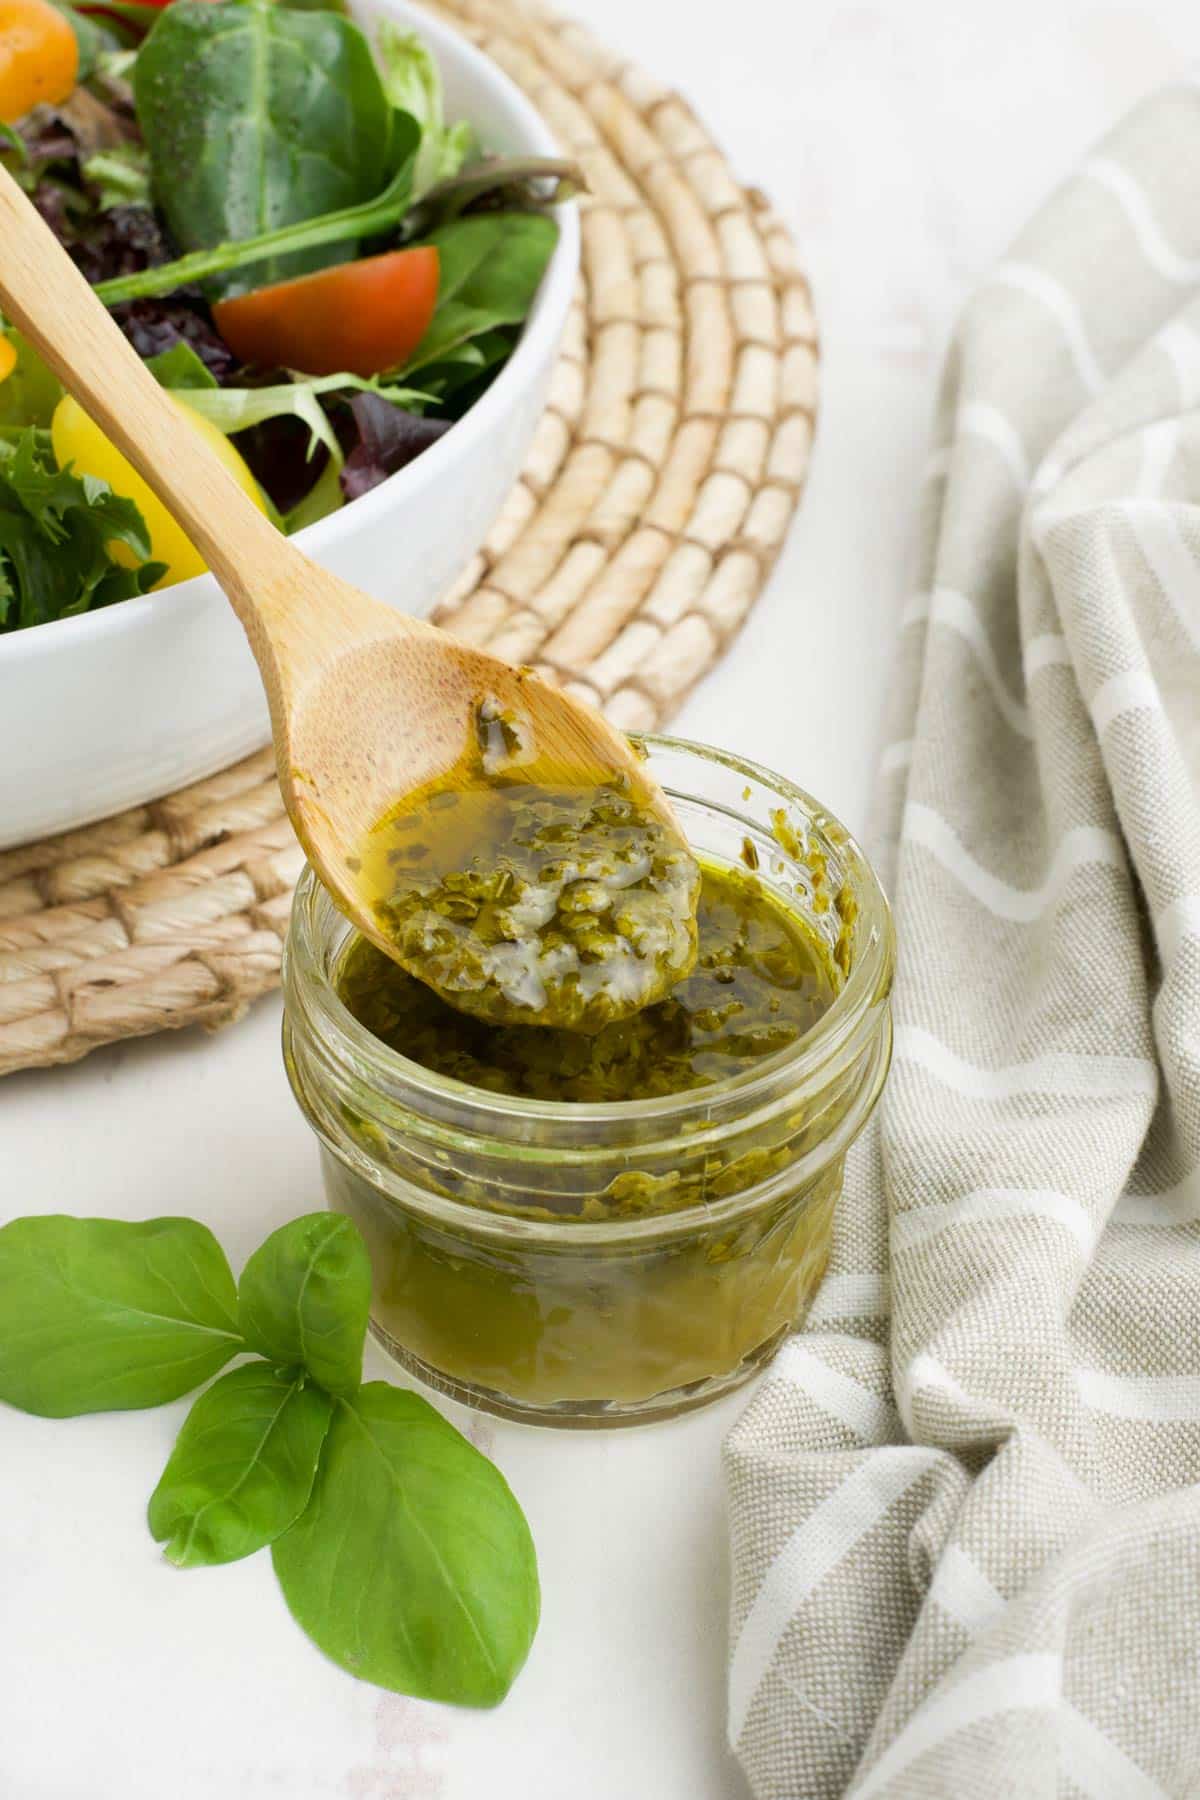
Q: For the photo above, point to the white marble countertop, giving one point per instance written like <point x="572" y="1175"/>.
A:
<point x="904" y="146"/>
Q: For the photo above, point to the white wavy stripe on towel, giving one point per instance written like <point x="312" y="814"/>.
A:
<point x="858" y="1408"/>
<point x="976" y="419"/>
<point x="986" y="1206"/>
<point x="1056" y="299"/>
<point x="963" y="1591"/>
<point x="1178" y="574"/>
<point x="1178" y="1205"/>
<point x="1076" y="1077"/>
<point x="1182" y="346"/>
<point x="896" y="756"/>
<point x="954" y="611"/>
<point x="1050" y="650"/>
<point x="926" y="1375"/>
<point x="1095" y="1764"/>
<point x="1134" y="691"/>
<point x="1159" y="443"/>
<point x="1153" y="1399"/>
<point x="814" y="1549"/>
<point x="1030" y="1681"/>
<point x="1163" y="258"/>
<point x="1084" y="846"/>
<point x="1179" y="919"/>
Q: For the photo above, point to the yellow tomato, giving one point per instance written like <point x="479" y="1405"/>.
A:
<point x="39" y="57"/>
<point x="79" y="442"/>
<point x="8" y="356"/>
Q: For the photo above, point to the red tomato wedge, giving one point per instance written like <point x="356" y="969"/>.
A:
<point x="363" y="317"/>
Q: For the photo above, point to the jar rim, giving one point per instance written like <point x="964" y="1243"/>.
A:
<point x="870" y="972"/>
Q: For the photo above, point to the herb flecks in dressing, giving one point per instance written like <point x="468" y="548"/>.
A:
<point x="761" y="981"/>
<point x="529" y="902"/>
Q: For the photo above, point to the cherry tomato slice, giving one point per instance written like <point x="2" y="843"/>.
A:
<point x="363" y="317"/>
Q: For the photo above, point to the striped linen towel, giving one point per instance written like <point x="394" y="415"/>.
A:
<point x="965" y="1519"/>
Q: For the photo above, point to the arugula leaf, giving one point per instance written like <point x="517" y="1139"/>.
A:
<point x="304" y="1297"/>
<point x="234" y="410"/>
<point x="413" y="84"/>
<point x="55" y="532"/>
<point x="257" y="116"/>
<point x="491" y="266"/>
<point x="412" y="1565"/>
<point x="100" y="1315"/>
<point x="243" y="1466"/>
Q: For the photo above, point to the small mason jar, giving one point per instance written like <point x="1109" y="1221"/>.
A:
<point x="599" y="1264"/>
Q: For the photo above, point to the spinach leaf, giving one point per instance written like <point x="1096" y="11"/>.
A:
<point x="257" y="116"/>
<point x="490" y="269"/>
<point x="412" y="1565"/>
<point x="55" y="533"/>
<point x="304" y="1298"/>
<point x="344" y="226"/>
<point x="102" y="1315"/>
<point x="243" y="1466"/>
<point x="413" y="84"/>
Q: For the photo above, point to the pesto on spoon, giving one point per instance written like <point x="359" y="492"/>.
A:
<point x="523" y="895"/>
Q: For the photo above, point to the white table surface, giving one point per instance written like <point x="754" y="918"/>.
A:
<point x="904" y="145"/>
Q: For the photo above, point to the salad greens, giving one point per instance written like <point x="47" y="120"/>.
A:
<point x="56" y="529"/>
<point x="218" y="154"/>
<point x="399" y="1547"/>
<point x="257" y="116"/>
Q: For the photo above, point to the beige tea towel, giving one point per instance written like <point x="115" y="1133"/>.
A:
<point x="966" y="1525"/>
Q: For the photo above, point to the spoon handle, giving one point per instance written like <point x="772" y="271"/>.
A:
<point x="43" y="293"/>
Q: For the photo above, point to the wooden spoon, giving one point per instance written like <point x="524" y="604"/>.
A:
<point x="367" y="704"/>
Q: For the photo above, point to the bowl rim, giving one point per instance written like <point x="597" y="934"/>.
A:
<point x="538" y="338"/>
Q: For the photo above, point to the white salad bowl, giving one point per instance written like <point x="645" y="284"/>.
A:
<point x="116" y="707"/>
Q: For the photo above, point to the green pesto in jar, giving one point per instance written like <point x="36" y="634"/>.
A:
<point x="528" y="896"/>
<point x="760" y="981"/>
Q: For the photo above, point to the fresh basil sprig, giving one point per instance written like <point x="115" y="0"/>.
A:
<point x="400" y="1549"/>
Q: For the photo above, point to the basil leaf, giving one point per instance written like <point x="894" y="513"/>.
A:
<point x="490" y="266"/>
<point x="99" y="1315"/>
<point x="257" y="116"/>
<point x="304" y="1297"/>
<point x="412" y="1565"/>
<point x="243" y="1466"/>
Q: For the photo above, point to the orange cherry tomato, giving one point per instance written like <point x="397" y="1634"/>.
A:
<point x="39" y="57"/>
<point x="363" y="317"/>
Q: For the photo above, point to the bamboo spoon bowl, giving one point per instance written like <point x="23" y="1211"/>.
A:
<point x="367" y="704"/>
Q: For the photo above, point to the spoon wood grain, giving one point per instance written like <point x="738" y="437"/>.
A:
<point x="367" y="704"/>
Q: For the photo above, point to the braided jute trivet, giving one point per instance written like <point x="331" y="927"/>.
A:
<point x="655" y="498"/>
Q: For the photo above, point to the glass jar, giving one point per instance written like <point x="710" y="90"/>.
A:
<point x="599" y="1264"/>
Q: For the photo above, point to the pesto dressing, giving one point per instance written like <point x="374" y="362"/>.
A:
<point x="761" y="979"/>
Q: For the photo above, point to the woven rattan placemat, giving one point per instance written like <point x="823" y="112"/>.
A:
<point x="655" y="498"/>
